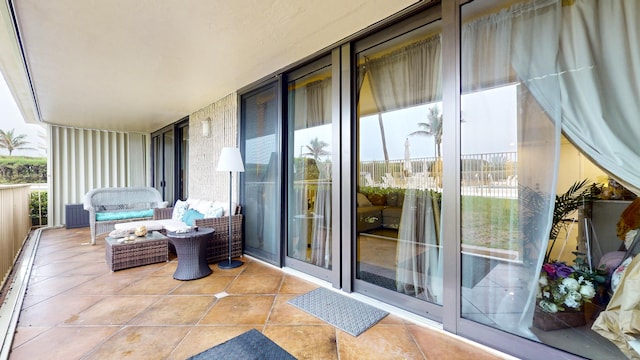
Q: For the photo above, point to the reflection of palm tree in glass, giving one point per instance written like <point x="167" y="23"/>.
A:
<point x="316" y="149"/>
<point x="432" y="128"/>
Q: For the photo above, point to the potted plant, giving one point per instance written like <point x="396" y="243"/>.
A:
<point x="564" y="289"/>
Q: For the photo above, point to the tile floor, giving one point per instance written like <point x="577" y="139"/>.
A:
<point x="75" y="308"/>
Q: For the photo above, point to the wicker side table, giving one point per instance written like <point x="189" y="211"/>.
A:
<point x="149" y="249"/>
<point x="191" y="248"/>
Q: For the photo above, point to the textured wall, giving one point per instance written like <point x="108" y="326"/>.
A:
<point x="204" y="181"/>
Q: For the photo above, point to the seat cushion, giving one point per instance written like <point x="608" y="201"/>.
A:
<point x="123" y="215"/>
<point x="151" y="225"/>
<point x="172" y="225"/>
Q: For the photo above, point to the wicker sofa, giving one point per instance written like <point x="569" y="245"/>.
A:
<point x="109" y="206"/>
<point x="218" y="248"/>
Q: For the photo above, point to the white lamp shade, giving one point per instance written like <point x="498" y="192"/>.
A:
<point x="230" y="160"/>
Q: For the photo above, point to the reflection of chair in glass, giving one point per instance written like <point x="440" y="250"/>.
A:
<point x="368" y="180"/>
<point x="387" y="179"/>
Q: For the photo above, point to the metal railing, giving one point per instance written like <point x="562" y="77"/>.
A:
<point x="15" y="224"/>
<point x="490" y="174"/>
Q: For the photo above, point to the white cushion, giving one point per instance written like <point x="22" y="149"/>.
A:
<point x="203" y="206"/>
<point x="213" y="212"/>
<point x="172" y="225"/>
<point x="151" y="225"/>
<point x="179" y="209"/>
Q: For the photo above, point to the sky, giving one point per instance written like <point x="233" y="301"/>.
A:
<point x="11" y="118"/>
<point x="487" y="115"/>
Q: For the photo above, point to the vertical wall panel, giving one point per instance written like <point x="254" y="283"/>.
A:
<point x="205" y="182"/>
<point x="83" y="159"/>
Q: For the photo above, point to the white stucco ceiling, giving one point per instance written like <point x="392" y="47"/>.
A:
<point x="137" y="65"/>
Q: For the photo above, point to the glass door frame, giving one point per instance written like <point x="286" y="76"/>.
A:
<point x="332" y="275"/>
<point x="350" y="181"/>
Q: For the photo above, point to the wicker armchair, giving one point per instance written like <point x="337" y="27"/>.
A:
<point x="218" y="248"/>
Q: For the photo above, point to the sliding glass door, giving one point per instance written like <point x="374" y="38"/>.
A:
<point x="311" y="155"/>
<point x="399" y="167"/>
<point x="261" y="181"/>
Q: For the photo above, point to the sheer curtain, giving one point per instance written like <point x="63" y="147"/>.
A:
<point x="403" y="78"/>
<point x="584" y="73"/>
<point x="419" y="252"/>
<point x="321" y="230"/>
<point x="578" y="61"/>
<point x="488" y="54"/>
<point x="408" y="76"/>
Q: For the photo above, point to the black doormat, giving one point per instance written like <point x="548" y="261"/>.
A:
<point x="347" y="314"/>
<point x="251" y="345"/>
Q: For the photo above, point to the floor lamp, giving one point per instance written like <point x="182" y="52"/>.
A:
<point x="230" y="160"/>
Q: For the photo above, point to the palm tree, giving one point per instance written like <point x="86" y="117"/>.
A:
<point x="12" y="142"/>
<point x="316" y="149"/>
<point x="432" y="128"/>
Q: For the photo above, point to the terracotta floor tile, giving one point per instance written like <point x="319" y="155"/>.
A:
<point x="76" y="308"/>
<point x="26" y="333"/>
<point x="284" y="313"/>
<point x="63" y="343"/>
<point x="210" y="285"/>
<point x="305" y="341"/>
<point x="255" y="284"/>
<point x="56" y="310"/>
<point x="240" y="310"/>
<point x="201" y="338"/>
<point x="153" y="285"/>
<point x="140" y="342"/>
<point x="175" y="310"/>
<point x="394" y="341"/>
<point x="438" y="345"/>
<point x="114" y="310"/>
<point x="107" y="284"/>
<point x="57" y="285"/>
<point x="256" y="268"/>
<point x="294" y="285"/>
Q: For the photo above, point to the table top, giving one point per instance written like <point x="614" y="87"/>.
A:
<point x="190" y="234"/>
<point x="151" y="235"/>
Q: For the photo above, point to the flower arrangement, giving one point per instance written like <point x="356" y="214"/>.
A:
<point x="561" y="286"/>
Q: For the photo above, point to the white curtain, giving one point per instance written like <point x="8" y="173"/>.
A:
<point x="407" y="77"/>
<point x="492" y="47"/>
<point x="312" y="104"/>
<point x="321" y="230"/>
<point x="419" y="252"/>
<point x="589" y="55"/>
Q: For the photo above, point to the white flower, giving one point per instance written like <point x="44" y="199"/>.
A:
<point x="572" y="300"/>
<point x="548" y="306"/>
<point x="570" y="284"/>
<point x="587" y="291"/>
<point x="543" y="281"/>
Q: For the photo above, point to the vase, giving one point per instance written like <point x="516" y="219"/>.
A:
<point x="559" y="320"/>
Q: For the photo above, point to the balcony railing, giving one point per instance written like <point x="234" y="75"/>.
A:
<point x="15" y="224"/>
<point x="490" y="174"/>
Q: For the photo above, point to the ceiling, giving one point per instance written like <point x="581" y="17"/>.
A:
<point x="138" y="65"/>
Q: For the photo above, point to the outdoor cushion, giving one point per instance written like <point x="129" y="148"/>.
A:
<point x="171" y="225"/>
<point x="192" y="215"/>
<point x="123" y="215"/>
<point x="179" y="209"/>
<point x="151" y="225"/>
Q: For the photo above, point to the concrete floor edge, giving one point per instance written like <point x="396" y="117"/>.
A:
<point x="10" y="310"/>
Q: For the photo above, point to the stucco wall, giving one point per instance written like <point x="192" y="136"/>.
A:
<point x="204" y="181"/>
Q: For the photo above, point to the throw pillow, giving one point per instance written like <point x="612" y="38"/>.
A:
<point x="213" y="212"/>
<point x="179" y="209"/>
<point x="190" y="217"/>
<point x="363" y="200"/>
